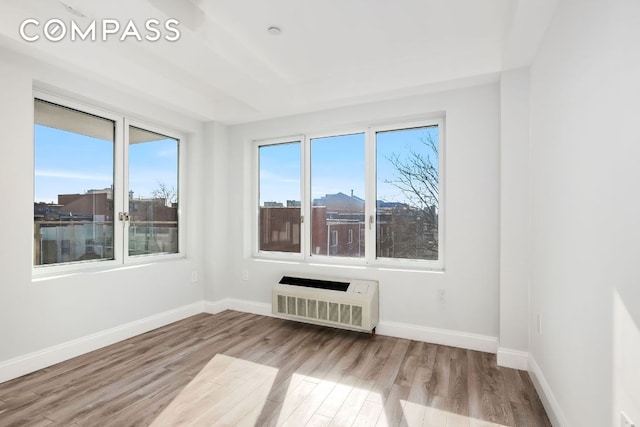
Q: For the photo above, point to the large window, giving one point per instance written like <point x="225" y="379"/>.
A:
<point x="279" y="197"/>
<point x="371" y="196"/>
<point x="407" y="189"/>
<point x="337" y="194"/>
<point x="84" y="212"/>
<point x="153" y="193"/>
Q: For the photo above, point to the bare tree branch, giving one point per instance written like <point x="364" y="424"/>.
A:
<point x="417" y="175"/>
<point x="169" y="194"/>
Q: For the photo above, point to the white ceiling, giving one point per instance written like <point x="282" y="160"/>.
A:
<point x="330" y="53"/>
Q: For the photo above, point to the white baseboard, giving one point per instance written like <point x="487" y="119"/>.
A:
<point x="394" y="329"/>
<point x="514" y="359"/>
<point x="215" y="307"/>
<point x="244" y="306"/>
<point x="438" y="336"/>
<point x="22" y="365"/>
<point x="16" y="367"/>
<point x="551" y="405"/>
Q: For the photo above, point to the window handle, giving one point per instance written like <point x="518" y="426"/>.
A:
<point x="124" y="216"/>
<point x="370" y="221"/>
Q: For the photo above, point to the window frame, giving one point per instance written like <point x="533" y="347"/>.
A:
<point x="255" y="199"/>
<point x="120" y="185"/>
<point x="306" y="171"/>
<point x="409" y="263"/>
<point x="182" y="188"/>
<point x="369" y="259"/>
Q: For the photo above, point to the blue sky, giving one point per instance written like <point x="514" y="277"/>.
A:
<point x="337" y="165"/>
<point x="67" y="162"/>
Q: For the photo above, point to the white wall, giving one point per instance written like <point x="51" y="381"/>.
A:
<point x="215" y="233"/>
<point x="36" y="315"/>
<point x="585" y="105"/>
<point x="515" y="220"/>
<point x="471" y="223"/>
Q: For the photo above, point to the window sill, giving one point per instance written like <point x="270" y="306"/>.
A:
<point x="356" y="264"/>
<point x="46" y="273"/>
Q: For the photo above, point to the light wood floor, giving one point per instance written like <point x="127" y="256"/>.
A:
<point x="242" y="369"/>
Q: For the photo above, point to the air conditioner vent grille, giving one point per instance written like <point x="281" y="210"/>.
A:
<point x="347" y="314"/>
<point x="356" y="308"/>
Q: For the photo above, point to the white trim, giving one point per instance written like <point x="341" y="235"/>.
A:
<point x="16" y="367"/>
<point x="22" y="365"/>
<point x="261" y="308"/>
<point x="215" y="307"/>
<point x="551" y="405"/>
<point x="514" y="359"/>
<point x="448" y="337"/>
<point x="394" y="329"/>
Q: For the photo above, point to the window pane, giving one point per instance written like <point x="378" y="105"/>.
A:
<point x="153" y="193"/>
<point x="407" y="193"/>
<point x="279" y="203"/>
<point x="73" y="204"/>
<point x="337" y="191"/>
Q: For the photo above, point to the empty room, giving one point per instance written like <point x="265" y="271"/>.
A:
<point x="320" y="213"/>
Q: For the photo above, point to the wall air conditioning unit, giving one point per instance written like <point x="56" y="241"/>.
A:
<point x="342" y="303"/>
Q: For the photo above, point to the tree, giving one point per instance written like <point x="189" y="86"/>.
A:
<point x="417" y="176"/>
<point x="414" y="230"/>
<point x="169" y="194"/>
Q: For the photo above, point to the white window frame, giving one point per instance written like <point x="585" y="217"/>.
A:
<point x="120" y="183"/>
<point x="306" y="254"/>
<point x="307" y="250"/>
<point x="255" y="198"/>
<point x="407" y="262"/>
<point x="182" y="188"/>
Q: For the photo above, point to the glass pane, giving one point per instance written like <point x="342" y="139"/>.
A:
<point x="279" y="203"/>
<point x="407" y="193"/>
<point x="337" y="191"/>
<point x="73" y="199"/>
<point x="153" y="193"/>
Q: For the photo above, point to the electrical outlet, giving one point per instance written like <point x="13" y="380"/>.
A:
<point x="625" y="421"/>
<point x="194" y="276"/>
<point x="442" y="296"/>
<point x="245" y="275"/>
<point x="539" y="324"/>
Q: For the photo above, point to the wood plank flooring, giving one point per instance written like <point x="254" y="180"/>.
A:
<point x="241" y="369"/>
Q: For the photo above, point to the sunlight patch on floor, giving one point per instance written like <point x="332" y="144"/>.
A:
<point x="415" y="414"/>
<point x="227" y="390"/>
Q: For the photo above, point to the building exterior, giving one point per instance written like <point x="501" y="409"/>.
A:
<point x="338" y="228"/>
<point x="79" y="227"/>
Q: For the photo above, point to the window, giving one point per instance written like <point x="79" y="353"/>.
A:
<point x="153" y="193"/>
<point x="337" y="191"/>
<point x="372" y="196"/>
<point x="407" y="189"/>
<point x="279" y="197"/>
<point x="74" y="170"/>
<point x="81" y="194"/>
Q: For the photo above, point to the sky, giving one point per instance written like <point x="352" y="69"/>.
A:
<point x="68" y="163"/>
<point x="337" y="165"/>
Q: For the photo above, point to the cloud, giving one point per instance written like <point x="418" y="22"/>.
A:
<point x="73" y="175"/>
<point x="266" y="175"/>
<point x="168" y="153"/>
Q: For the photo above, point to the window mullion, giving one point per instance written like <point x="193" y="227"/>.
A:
<point x="370" y="197"/>
<point x="306" y="197"/>
<point x="119" y="187"/>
